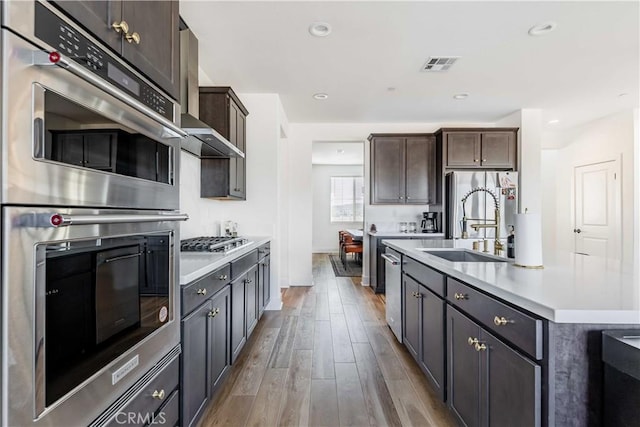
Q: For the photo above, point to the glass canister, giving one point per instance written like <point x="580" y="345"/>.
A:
<point x="403" y="227"/>
<point x="413" y="227"/>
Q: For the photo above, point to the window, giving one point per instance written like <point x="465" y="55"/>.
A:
<point x="347" y="199"/>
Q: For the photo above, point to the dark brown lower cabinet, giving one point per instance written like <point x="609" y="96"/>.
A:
<point x="238" y="318"/>
<point x="264" y="283"/>
<point x="489" y="383"/>
<point x="251" y="291"/>
<point x="423" y="330"/>
<point x="205" y="354"/>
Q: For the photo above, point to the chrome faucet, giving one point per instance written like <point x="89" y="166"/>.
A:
<point x="497" y="246"/>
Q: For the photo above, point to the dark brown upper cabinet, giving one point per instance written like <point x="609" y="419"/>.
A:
<point x="144" y="33"/>
<point x="491" y="148"/>
<point x="404" y="169"/>
<point x="224" y="178"/>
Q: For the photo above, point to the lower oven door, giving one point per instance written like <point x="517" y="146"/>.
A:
<point x="89" y="304"/>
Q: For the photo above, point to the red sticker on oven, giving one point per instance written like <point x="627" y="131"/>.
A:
<point x="163" y="314"/>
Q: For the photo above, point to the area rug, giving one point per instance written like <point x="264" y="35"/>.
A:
<point x="352" y="269"/>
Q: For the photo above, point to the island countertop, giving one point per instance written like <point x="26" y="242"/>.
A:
<point x="570" y="289"/>
<point x="194" y="265"/>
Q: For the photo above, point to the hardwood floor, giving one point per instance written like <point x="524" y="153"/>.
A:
<point x="327" y="359"/>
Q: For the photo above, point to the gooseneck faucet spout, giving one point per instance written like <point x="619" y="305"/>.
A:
<point x="498" y="247"/>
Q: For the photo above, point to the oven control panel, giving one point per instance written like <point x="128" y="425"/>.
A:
<point x="66" y="39"/>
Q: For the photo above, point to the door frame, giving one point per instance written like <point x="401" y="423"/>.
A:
<point x="617" y="162"/>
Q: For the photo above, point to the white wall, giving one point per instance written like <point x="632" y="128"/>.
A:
<point x="548" y="182"/>
<point x="608" y="138"/>
<point x="260" y="214"/>
<point x="301" y="138"/>
<point x="324" y="232"/>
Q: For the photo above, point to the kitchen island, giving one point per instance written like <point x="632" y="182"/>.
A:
<point x="519" y="346"/>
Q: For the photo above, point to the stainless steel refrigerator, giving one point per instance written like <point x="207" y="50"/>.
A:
<point x="479" y="207"/>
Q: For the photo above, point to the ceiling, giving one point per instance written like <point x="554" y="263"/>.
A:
<point x="574" y="74"/>
<point x="337" y="153"/>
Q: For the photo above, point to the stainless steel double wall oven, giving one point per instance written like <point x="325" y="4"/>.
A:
<point x="90" y="157"/>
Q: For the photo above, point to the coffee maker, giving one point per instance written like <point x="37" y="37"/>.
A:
<point x="430" y="222"/>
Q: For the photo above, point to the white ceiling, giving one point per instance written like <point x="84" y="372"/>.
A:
<point x="574" y="74"/>
<point x="328" y="153"/>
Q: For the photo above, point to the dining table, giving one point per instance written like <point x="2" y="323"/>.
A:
<point x="356" y="234"/>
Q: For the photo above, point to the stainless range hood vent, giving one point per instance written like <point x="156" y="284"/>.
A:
<point x="203" y="141"/>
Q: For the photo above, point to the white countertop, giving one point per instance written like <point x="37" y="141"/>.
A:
<point x="570" y="289"/>
<point x="399" y="234"/>
<point x="194" y="265"/>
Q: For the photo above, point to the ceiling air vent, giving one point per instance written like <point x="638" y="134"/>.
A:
<point x="439" y="63"/>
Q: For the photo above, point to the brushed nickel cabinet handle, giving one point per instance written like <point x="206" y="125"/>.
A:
<point x="459" y="296"/>
<point x="120" y="27"/>
<point x="500" y="321"/>
<point x="133" y="37"/>
<point x="472" y="341"/>
<point x="212" y="314"/>
<point x="201" y="291"/>
<point x="223" y="277"/>
<point x="158" y="394"/>
<point x="480" y="346"/>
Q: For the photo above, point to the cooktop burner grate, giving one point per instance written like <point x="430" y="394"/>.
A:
<point x="215" y="244"/>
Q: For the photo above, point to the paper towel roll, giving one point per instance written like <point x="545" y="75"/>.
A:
<point x="528" y="240"/>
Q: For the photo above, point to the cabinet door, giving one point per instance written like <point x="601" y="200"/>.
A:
<point x="98" y="151"/>
<point x="420" y="171"/>
<point x="387" y="170"/>
<point x="241" y="171"/>
<point x="463" y="369"/>
<point x="97" y="17"/>
<point x="411" y="315"/>
<point x="266" y="279"/>
<point x="158" y="53"/>
<point x="195" y="365"/>
<point x="251" y="290"/>
<point x="220" y="338"/>
<point x="498" y="149"/>
<point x="238" y="318"/>
<point x="68" y="148"/>
<point x="433" y="341"/>
<point x="513" y="384"/>
<point x="463" y="149"/>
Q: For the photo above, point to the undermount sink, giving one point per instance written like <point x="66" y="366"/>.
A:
<point x="463" y="256"/>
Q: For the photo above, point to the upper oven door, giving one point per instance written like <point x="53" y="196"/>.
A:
<point x="71" y="138"/>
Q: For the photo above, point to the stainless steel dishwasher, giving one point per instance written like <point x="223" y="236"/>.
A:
<point x="393" y="291"/>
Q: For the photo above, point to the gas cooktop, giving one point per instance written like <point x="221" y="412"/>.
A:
<point x="214" y="244"/>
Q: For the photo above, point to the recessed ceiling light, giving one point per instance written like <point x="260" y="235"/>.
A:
<point x="461" y="96"/>
<point x="320" y="96"/>
<point x="320" y="29"/>
<point x="542" y="29"/>
<point x="340" y="151"/>
<point x="391" y="89"/>
<point x="623" y="95"/>
<point x="553" y="121"/>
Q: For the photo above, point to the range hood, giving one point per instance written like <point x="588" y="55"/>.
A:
<point x="203" y="141"/>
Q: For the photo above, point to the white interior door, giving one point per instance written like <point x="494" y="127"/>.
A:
<point x="597" y="209"/>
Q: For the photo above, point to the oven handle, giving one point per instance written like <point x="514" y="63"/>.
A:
<point x="43" y="58"/>
<point x="60" y="220"/>
<point x="120" y="258"/>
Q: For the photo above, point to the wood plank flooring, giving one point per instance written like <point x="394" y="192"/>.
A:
<point x="327" y="359"/>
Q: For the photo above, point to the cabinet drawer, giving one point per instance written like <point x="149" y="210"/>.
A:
<point x="169" y="413"/>
<point x="199" y="291"/>
<point x="426" y="276"/>
<point x="144" y="405"/>
<point x="264" y="250"/>
<point x="522" y="330"/>
<point x="243" y="264"/>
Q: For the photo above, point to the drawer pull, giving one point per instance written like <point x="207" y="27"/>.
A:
<point x="223" y="277"/>
<point x="201" y="291"/>
<point x="459" y="296"/>
<point x="480" y="346"/>
<point x="213" y="313"/>
<point x="121" y="26"/>
<point x="472" y="341"/>
<point x="158" y="394"/>
<point x="501" y="321"/>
